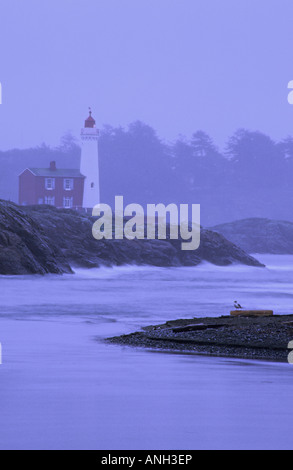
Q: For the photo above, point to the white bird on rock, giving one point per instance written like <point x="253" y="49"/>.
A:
<point x="237" y="305"/>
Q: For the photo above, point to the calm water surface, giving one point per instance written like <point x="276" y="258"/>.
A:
<point x="62" y="387"/>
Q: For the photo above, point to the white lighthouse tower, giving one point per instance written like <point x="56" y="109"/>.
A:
<point x="89" y="164"/>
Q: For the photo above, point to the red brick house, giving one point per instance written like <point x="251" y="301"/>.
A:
<point x="53" y="186"/>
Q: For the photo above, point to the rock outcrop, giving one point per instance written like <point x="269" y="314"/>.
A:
<point x="24" y="247"/>
<point x="43" y="239"/>
<point x="262" y="338"/>
<point x="258" y="235"/>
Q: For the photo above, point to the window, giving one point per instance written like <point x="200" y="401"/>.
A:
<point x="67" y="202"/>
<point x="50" y="200"/>
<point x="50" y="183"/>
<point x="68" y="184"/>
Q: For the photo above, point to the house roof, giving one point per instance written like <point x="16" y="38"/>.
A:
<point x="59" y="172"/>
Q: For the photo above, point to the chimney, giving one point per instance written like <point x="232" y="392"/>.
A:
<point x="53" y="166"/>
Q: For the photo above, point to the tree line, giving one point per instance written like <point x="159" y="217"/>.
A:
<point x="251" y="177"/>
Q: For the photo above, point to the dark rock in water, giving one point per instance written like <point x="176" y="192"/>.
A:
<point x="263" y="338"/>
<point x="258" y="235"/>
<point x="72" y="232"/>
<point x="216" y="249"/>
<point x="41" y="239"/>
<point x="24" y="247"/>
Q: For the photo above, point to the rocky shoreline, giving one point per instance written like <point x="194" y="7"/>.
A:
<point x="44" y="239"/>
<point x="261" y="338"/>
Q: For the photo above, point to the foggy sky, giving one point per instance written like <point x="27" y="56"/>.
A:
<point x="177" y="65"/>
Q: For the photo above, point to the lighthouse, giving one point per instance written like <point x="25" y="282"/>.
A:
<point x="89" y="164"/>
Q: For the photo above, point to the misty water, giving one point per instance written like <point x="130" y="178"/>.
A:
<point x="63" y="387"/>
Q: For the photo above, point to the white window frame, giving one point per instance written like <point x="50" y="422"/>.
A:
<point x="70" y="185"/>
<point x="50" y="184"/>
<point x="67" y="202"/>
<point x="50" y="200"/>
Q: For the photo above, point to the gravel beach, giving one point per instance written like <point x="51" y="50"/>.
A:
<point x="247" y="337"/>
